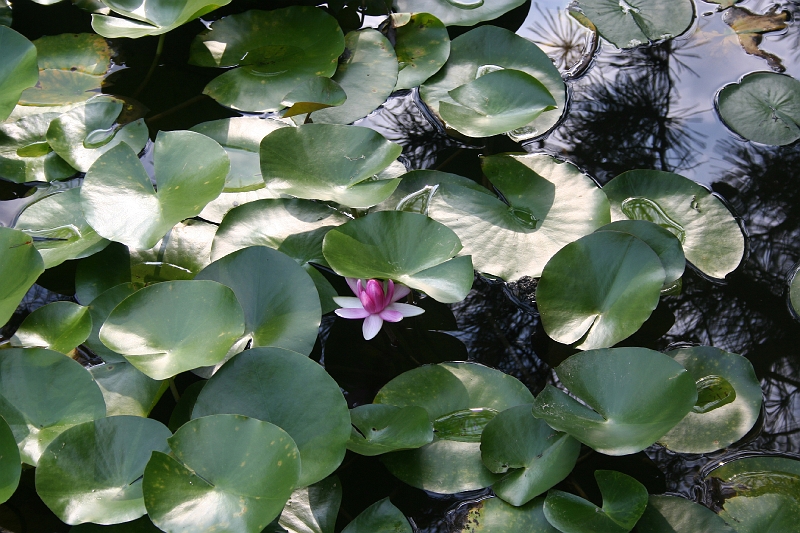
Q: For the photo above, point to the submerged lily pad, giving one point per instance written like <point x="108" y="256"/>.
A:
<point x="672" y="514"/>
<point x="711" y="238"/>
<point x="10" y="467"/>
<point x="380" y="517"/>
<point x="458" y="12"/>
<point x="763" y="107"/>
<point x="275" y="52"/>
<point x="20" y="266"/>
<point x="493" y="515"/>
<point x="18" y="69"/>
<point x="632" y="397"/>
<point x="381" y="428"/>
<point x="150" y="17"/>
<point x="25" y="154"/>
<point x="59" y="326"/>
<point x="126" y="390"/>
<point x="422" y="46"/>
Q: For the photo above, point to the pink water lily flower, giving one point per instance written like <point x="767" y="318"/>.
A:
<point x="375" y="305"/>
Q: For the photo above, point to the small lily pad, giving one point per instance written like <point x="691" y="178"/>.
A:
<point x="493" y="515"/>
<point x="150" y="17"/>
<point x="380" y="517"/>
<point x="313" y="509"/>
<point x="672" y="514"/>
<point x="10" y="467"/>
<point x="25" y="154"/>
<point x="59" y="326"/>
<point x="312" y="95"/>
<point x="183" y="252"/>
<point x="18" y="69"/>
<point x="766" y="513"/>
<point x="458" y="12"/>
<point x="422" y="46"/>
<point x="20" y="266"/>
<point x="381" y="428"/>
<point x="126" y="390"/>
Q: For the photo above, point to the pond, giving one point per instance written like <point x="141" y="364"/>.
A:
<point x="668" y="106"/>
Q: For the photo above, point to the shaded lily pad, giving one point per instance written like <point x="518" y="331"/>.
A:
<point x="422" y="46"/>
<point x="66" y="396"/>
<point x="763" y="107"/>
<point x="174" y="326"/>
<point x="276" y="51"/>
<point x="672" y="514"/>
<point x="150" y="17"/>
<point x="533" y="456"/>
<point x="313" y="509"/>
<point x="489" y="48"/>
<point x="459" y="12"/>
<point x="223" y="465"/>
<point x="92" y="472"/>
<point x="183" y="252"/>
<point x="25" y="154"/>
<point x="766" y="513"/>
<point x="290" y="391"/>
<point x="380" y="517"/>
<point x="59" y="326"/>
<point x="63" y="231"/>
<point x="20" y="266"/>
<point x="10" y="467"/>
<point x="367" y="73"/>
<point x="599" y="289"/>
<point x="728" y="403"/>
<point x="624" y="501"/>
<point x="631" y="23"/>
<point x="99" y="272"/>
<point x="183" y="409"/>
<point x="632" y="397"/>
<point x="99" y="309"/>
<point x="126" y="390"/>
<point x="493" y="515"/>
<point x="381" y="428"/>
<point x="315" y="94"/>
<point x="18" y="69"/>
<point x="711" y="238"/>
<point x="119" y="201"/>
<point x="406" y="247"/>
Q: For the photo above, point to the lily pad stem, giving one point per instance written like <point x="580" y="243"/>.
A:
<point x="153" y="65"/>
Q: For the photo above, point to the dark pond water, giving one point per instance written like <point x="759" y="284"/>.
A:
<point x="650" y="108"/>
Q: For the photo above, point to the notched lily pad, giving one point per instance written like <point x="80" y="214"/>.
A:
<point x="25" y="154"/>
<point x="380" y="517"/>
<point x="378" y="429"/>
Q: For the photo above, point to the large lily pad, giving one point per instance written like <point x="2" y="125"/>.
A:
<point x="422" y="46"/>
<point x="406" y="247"/>
<point x="459" y="12"/>
<point x="174" y="326"/>
<point x="20" y="266"/>
<point x="25" y="154"/>
<point x="599" y="289"/>
<point x="18" y="69"/>
<point x="290" y="391"/>
<point x="489" y="48"/>
<point x="728" y="404"/>
<point x="281" y="305"/>
<point x="313" y="509"/>
<point x="493" y="515"/>
<point x="66" y="396"/>
<point x="275" y="52"/>
<point x="92" y="472"/>
<point x="712" y="239"/>
<point x="119" y="201"/>
<point x="240" y="471"/>
<point x="380" y="517"/>
<point x="378" y="428"/>
<point x="63" y="231"/>
<point x="632" y="397"/>
<point x="533" y="456"/>
<point x="10" y="467"/>
<point x="59" y="326"/>
<point x="763" y="107"/>
<point x="150" y="17"/>
<point x="330" y="162"/>
<point x="367" y="73"/>
<point x="672" y="514"/>
<point x="126" y="390"/>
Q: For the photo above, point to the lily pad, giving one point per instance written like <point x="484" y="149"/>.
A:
<point x="712" y="239"/>
<point x="763" y="107"/>
<point x="99" y="309"/>
<point x="290" y="391"/>
<point x="422" y="46"/>
<point x="66" y="396"/>
<point x="276" y="51"/>
<point x="599" y="289"/>
<point x="486" y="49"/>
<point x="140" y="525"/>
<point x="406" y="247"/>
<point x="754" y="476"/>
<point x="174" y="326"/>
<point x="25" y="154"/>
<point x="150" y="17"/>
<point x="459" y="12"/>
<point x="624" y="501"/>
<point x="767" y="513"/>
<point x="92" y="472"/>
<point x="183" y="252"/>
<point x="120" y="203"/>
<point x="99" y="272"/>
<point x="59" y="326"/>
<point x="380" y="517"/>
<point x="20" y="266"/>
<point x="217" y="208"/>
<point x="631" y="23"/>
<point x="378" y="429"/>
<point x="533" y="456"/>
<point x="312" y="95"/>
<point x="126" y="390"/>
<point x="10" y="467"/>
<point x="632" y="397"/>
<point x="313" y="509"/>
<point x="239" y="470"/>
<point x="18" y="69"/>
<point x="728" y="403"/>
<point x="330" y="162"/>
<point x="58" y="223"/>
<point x="672" y="514"/>
<point x="493" y="515"/>
<point x="368" y="74"/>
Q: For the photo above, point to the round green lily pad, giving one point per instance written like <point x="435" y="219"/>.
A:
<point x="25" y="154"/>
<point x="20" y="266"/>
<point x="18" y="69"/>
<point x="458" y="12"/>
<point x="422" y="46"/>
<point x="59" y="326"/>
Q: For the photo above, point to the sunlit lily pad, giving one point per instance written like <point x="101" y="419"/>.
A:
<point x="422" y="46"/>
<point x="486" y="49"/>
<point x="379" y="428"/>
<point x="10" y="468"/>
<point x="59" y="326"/>
<point x="58" y="223"/>
<point x="275" y="51"/>
<point x="367" y="73"/>
<point x="380" y="517"/>
<point x="631" y="23"/>
<point x="150" y="17"/>
<point x="406" y="247"/>
<point x="624" y="501"/>
<point x="313" y="509"/>
<point x="25" y="154"/>
<point x="183" y="252"/>
<point x="18" y="69"/>
<point x="632" y="397"/>
<point x="762" y="107"/>
<point x="118" y="198"/>
<point x="312" y="95"/>
<point x="20" y="266"/>
<point x="99" y="309"/>
<point x="126" y="390"/>
<point x="331" y="162"/>
<point x="66" y="396"/>
<point x="174" y="326"/>
<point x="599" y="289"/>
<point x="712" y="239"/>
<point x="239" y="470"/>
<point x="493" y="515"/>
<point x="753" y="476"/>
<point x="533" y="455"/>
<point x="459" y="12"/>
<point x="672" y="514"/>
<point x="92" y="472"/>
<point x="217" y="208"/>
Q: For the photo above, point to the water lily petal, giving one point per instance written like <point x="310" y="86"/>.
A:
<point x="353" y="284"/>
<point x="376" y="296"/>
<point x="405" y="309"/>
<point x="389" y="293"/>
<point x="372" y="325"/>
<point x="400" y="291"/>
<point x="348" y="301"/>
<point x="390" y="315"/>
<point x="350" y="312"/>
